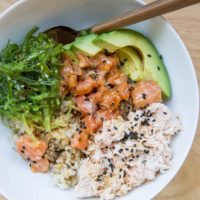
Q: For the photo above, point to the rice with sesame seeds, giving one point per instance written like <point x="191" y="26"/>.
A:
<point x="118" y="161"/>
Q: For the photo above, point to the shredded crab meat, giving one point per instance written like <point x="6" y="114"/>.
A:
<point x="126" y="154"/>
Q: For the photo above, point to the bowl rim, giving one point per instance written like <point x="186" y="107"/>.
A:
<point x="196" y="93"/>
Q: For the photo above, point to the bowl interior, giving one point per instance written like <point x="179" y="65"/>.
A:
<point x="17" y="181"/>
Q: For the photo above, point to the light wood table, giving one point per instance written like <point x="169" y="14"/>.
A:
<point x="186" y="185"/>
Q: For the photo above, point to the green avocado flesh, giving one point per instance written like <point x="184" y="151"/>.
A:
<point x="85" y="45"/>
<point x="143" y="61"/>
<point x="131" y="64"/>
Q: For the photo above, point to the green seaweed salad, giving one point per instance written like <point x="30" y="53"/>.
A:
<point x="29" y="83"/>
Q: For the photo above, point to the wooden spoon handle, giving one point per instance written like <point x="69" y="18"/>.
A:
<point x="146" y="12"/>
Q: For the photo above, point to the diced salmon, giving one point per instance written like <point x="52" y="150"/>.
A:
<point x="108" y="62"/>
<point x="102" y="115"/>
<point x="41" y="165"/>
<point x="110" y="99"/>
<point x="96" y="97"/>
<point x="86" y="86"/>
<point x="30" y="149"/>
<point x="123" y="90"/>
<point x="83" y="60"/>
<point x="146" y="93"/>
<point x="90" y="124"/>
<point x="80" y="141"/>
<point x="85" y="105"/>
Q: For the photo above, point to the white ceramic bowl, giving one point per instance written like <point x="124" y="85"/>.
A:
<point x="16" y="180"/>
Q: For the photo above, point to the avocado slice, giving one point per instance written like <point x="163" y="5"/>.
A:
<point x="85" y="45"/>
<point x="130" y="62"/>
<point x="153" y="66"/>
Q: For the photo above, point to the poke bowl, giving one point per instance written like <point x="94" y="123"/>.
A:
<point x="113" y="114"/>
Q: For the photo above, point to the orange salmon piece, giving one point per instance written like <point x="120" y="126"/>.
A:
<point x="145" y="93"/>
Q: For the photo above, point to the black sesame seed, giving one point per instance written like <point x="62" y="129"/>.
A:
<point x="161" y="57"/>
<point x="28" y="159"/>
<point x="122" y="63"/>
<point x="34" y="162"/>
<point x="22" y="151"/>
<point x="115" y="127"/>
<point x="102" y="119"/>
<point x="137" y="156"/>
<point x="134" y="145"/>
<point x="142" y="135"/>
<point x="158" y="68"/>
<point x="149" y="55"/>
<point x="130" y="160"/>
<point x="104" y="61"/>
<point x="132" y="150"/>
<point x="120" y="170"/>
<point x="136" y="119"/>
<point x="124" y="174"/>
<point x="121" y="150"/>
<point x="98" y="179"/>
<point x="125" y="60"/>
<point x="30" y="165"/>
<point x="153" y="120"/>
<point x="120" y="176"/>
<point x="146" y="151"/>
<point x="164" y="113"/>
<point x="73" y="60"/>
<point x="123" y="160"/>
<point x="108" y="129"/>
<point x="23" y="147"/>
<point x="144" y="96"/>
<point x="111" y="175"/>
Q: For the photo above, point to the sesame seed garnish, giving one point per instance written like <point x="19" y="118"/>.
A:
<point x="164" y="113"/>
<point x="110" y="174"/>
<point x="104" y="61"/>
<point x="161" y="57"/>
<point x="108" y="129"/>
<point x="146" y="151"/>
<point x="120" y="170"/>
<point x="121" y="150"/>
<point x="132" y="150"/>
<point x="137" y="156"/>
<point x="158" y="68"/>
<point x="34" y="162"/>
<point x="125" y="60"/>
<point x="102" y="119"/>
<point x="153" y="120"/>
<point x="144" y="96"/>
<point x="123" y="160"/>
<point x="130" y="160"/>
<point x="127" y="149"/>
<point x="22" y="151"/>
<point x="149" y="55"/>
<point x="125" y="174"/>
<point x="120" y="176"/>
<point x="30" y="165"/>
<point x="23" y="147"/>
<point x="115" y="127"/>
<point x="134" y="145"/>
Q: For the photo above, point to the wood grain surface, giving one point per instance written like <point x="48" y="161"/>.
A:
<point x="186" y="185"/>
